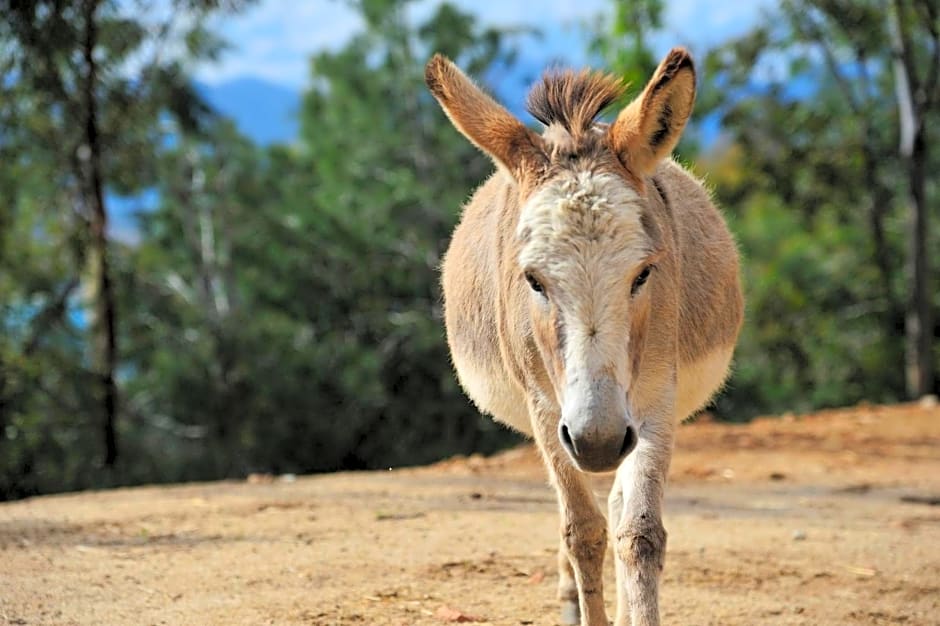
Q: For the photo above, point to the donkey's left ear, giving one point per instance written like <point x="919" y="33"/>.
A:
<point x="483" y="121"/>
<point x="649" y="128"/>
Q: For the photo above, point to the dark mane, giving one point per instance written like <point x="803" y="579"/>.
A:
<point x="572" y="98"/>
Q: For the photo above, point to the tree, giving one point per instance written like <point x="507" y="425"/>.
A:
<point x="288" y="306"/>
<point x="77" y="115"/>
<point x="915" y="46"/>
<point x="809" y="103"/>
<point x="279" y="309"/>
<point x="623" y="39"/>
<point x="369" y="125"/>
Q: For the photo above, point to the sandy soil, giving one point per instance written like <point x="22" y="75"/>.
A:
<point x="826" y="519"/>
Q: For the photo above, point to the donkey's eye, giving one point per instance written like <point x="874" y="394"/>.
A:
<point x="640" y="280"/>
<point x="534" y="283"/>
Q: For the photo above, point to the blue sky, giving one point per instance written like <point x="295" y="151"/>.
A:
<point x="275" y="38"/>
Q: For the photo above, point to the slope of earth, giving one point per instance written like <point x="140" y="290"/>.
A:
<point x="830" y="518"/>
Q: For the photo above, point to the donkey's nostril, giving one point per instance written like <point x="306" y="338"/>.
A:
<point x="629" y="440"/>
<point x="566" y="437"/>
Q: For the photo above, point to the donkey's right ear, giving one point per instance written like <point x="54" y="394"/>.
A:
<point x="483" y="121"/>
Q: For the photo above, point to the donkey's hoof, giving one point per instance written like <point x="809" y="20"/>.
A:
<point x="570" y="613"/>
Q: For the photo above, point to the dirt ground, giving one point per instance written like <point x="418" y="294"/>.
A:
<point x="826" y="519"/>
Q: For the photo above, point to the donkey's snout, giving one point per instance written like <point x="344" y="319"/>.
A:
<point x="598" y="450"/>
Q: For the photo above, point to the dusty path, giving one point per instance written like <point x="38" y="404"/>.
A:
<point x="824" y="520"/>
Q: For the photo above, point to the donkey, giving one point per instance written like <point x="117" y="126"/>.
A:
<point x="592" y="301"/>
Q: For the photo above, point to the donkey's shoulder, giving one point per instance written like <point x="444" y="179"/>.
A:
<point x="681" y="182"/>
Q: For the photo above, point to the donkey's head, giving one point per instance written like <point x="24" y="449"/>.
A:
<point x="587" y="246"/>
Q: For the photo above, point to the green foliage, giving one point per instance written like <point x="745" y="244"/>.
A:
<point x="282" y="310"/>
<point x="811" y="173"/>
<point x="279" y="311"/>
<point x="623" y="39"/>
<point x="50" y="416"/>
<point x="812" y="337"/>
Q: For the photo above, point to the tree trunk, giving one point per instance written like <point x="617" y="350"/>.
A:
<point x="105" y="340"/>
<point x="880" y="201"/>
<point x="913" y="151"/>
<point x="919" y="321"/>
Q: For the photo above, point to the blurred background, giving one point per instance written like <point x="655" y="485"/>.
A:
<point x="221" y="221"/>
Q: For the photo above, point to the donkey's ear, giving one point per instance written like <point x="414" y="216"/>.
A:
<point x="649" y="128"/>
<point x="482" y="120"/>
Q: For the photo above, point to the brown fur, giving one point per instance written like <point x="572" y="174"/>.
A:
<point x="640" y="135"/>
<point x="509" y="344"/>
<point x="488" y="125"/>
<point x="573" y="99"/>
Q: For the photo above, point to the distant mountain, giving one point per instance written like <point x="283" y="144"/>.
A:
<point x="266" y="112"/>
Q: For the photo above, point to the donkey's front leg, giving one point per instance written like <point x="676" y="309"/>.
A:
<point x="567" y="588"/>
<point x="639" y="536"/>
<point x="584" y="536"/>
<point x="583" y="530"/>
